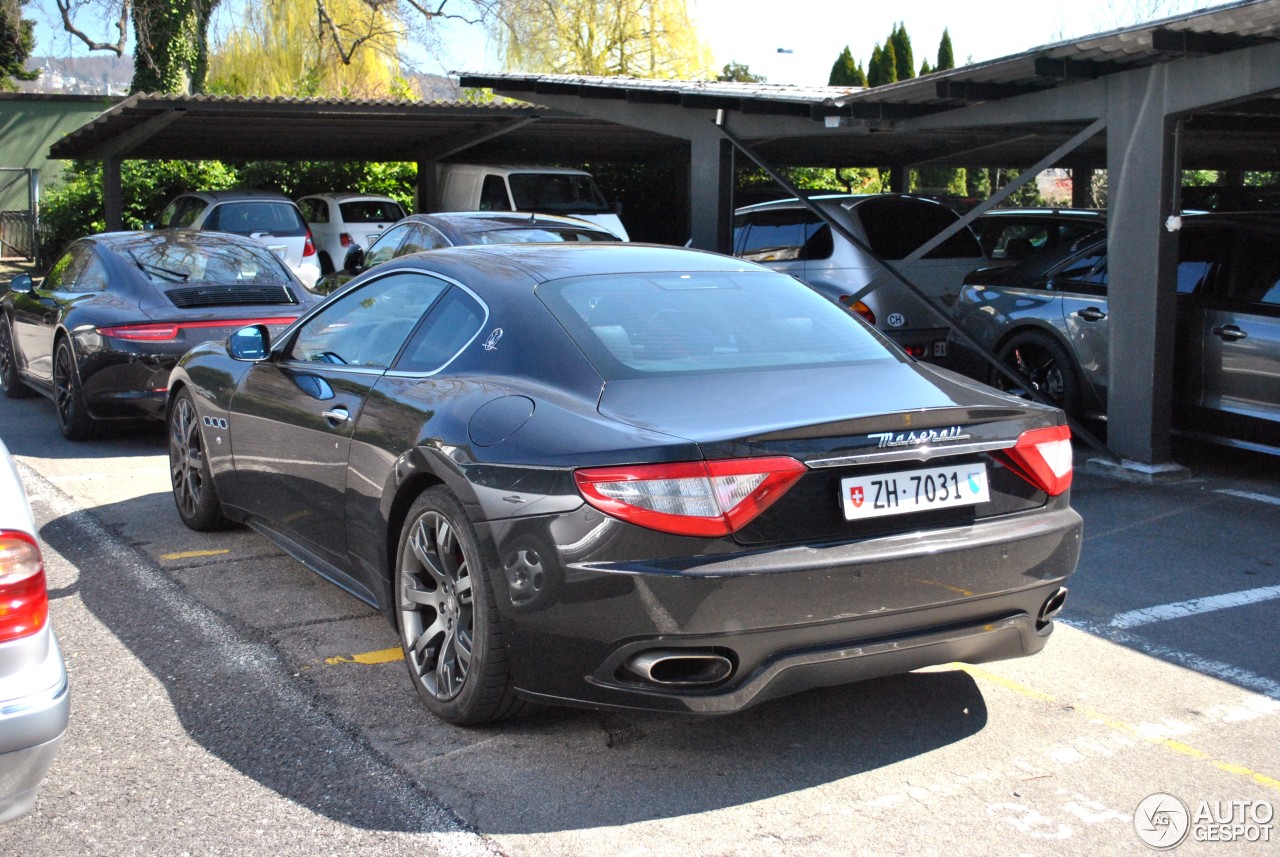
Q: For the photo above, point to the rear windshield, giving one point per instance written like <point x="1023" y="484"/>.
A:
<point x="249" y="218"/>
<point x="371" y="211"/>
<point x="556" y="193"/>
<point x="646" y="325"/>
<point x="222" y="262"/>
<point x="896" y="226"/>
<point x="542" y="235"/>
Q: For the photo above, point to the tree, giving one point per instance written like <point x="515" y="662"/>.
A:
<point x="925" y="68"/>
<point x="845" y="72"/>
<point x="640" y="38"/>
<point x="288" y="48"/>
<point x="946" y="56"/>
<point x="883" y="67"/>
<point x="904" y="63"/>
<point x="739" y="73"/>
<point x="17" y="38"/>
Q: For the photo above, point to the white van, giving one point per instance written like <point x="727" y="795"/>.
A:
<point x="545" y="190"/>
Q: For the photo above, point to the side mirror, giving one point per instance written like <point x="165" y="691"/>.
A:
<point x="22" y="284"/>
<point x="250" y="344"/>
<point x="353" y="262"/>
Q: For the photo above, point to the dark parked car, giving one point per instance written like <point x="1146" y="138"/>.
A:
<point x="418" y="233"/>
<point x="1048" y="318"/>
<point x="1014" y="234"/>
<point x="636" y="476"/>
<point x="116" y="311"/>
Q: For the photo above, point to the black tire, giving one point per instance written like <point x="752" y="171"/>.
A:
<point x="326" y="264"/>
<point x="68" y="396"/>
<point x="9" y="380"/>
<point x="193" y="490"/>
<point x="1046" y="366"/>
<point x="449" y="625"/>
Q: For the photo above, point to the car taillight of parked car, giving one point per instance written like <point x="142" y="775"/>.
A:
<point x="24" y="600"/>
<point x="309" y="249"/>
<point x="1043" y="457"/>
<point x="165" y="332"/>
<point x="344" y="239"/>
<point x="693" y="498"/>
<point x="859" y="307"/>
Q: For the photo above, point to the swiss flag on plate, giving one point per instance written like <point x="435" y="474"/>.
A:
<point x="855" y="496"/>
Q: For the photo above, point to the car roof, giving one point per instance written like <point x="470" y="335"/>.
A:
<point x="349" y="196"/>
<point x="1044" y="212"/>
<point x="239" y="195"/>
<point x="487" y="220"/>
<point x="116" y="241"/>
<point x="505" y="265"/>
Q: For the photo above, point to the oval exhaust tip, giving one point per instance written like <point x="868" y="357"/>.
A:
<point x="1053" y="605"/>
<point x="681" y="668"/>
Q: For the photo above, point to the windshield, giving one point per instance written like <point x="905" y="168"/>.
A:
<point x="646" y="325"/>
<point x="557" y="193"/>
<point x="175" y="260"/>
<point x="280" y="219"/>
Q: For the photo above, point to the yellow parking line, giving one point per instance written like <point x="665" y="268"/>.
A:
<point x="1121" y="726"/>
<point x="382" y="656"/>
<point x="193" y="554"/>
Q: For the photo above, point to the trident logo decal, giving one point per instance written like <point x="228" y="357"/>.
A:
<point x="491" y="344"/>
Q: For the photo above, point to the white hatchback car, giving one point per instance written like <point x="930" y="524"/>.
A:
<point x="34" y="699"/>
<point x="271" y="218"/>
<point x="340" y="221"/>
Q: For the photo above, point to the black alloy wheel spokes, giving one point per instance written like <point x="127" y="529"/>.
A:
<point x="64" y="384"/>
<point x="186" y="457"/>
<point x="436" y="605"/>
<point x="1041" y="370"/>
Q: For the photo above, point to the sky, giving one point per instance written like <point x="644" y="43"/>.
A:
<point x="797" y="42"/>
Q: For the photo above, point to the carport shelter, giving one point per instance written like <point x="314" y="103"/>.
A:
<point x="1196" y="91"/>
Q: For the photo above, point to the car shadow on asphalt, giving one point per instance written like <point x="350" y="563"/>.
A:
<point x="30" y="423"/>
<point x="366" y="753"/>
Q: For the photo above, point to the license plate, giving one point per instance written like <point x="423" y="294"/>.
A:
<point x="920" y="490"/>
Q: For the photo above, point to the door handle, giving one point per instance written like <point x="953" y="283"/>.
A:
<point x="1229" y="333"/>
<point x="1092" y="313"/>
<point x="337" y="416"/>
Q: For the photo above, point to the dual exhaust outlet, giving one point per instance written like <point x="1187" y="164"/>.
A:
<point x="1052" y="606"/>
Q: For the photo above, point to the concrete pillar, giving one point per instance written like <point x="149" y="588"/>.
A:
<point x="711" y="192"/>
<point x="899" y="179"/>
<point x="112" y="195"/>
<point x="1081" y="186"/>
<point x="1141" y="265"/>
<point x="426" y="196"/>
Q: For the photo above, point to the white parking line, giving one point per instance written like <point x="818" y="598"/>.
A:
<point x="1249" y="495"/>
<point x="1194" y="607"/>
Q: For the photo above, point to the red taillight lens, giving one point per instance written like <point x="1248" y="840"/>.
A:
<point x="165" y="331"/>
<point x="859" y="307"/>
<point x="694" y="498"/>
<point x="1043" y="458"/>
<point x="24" y="601"/>
<point x="344" y="239"/>
<point x="308" y="249"/>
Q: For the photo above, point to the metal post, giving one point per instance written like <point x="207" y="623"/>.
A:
<point x="33" y="205"/>
<point x="112" y="195"/>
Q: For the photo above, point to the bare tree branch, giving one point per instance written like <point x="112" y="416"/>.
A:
<point x="67" y="9"/>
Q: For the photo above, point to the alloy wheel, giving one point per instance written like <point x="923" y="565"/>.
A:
<point x="186" y="457"/>
<point x="436" y="605"/>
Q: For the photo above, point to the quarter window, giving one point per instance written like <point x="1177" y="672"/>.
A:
<point x="453" y="323"/>
<point x="92" y="277"/>
<point x="422" y="238"/>
<point x="385" y="247"/>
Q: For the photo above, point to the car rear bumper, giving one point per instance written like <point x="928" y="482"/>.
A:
<point x="32" y="726"/>
<point x="786" y="619"/>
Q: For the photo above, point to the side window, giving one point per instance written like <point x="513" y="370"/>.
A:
<point x="896" y="226"/>
<point x="493" y="195"/>
<point x="1082" y="268"/>
<point x="181" y="213"/>
<point x="62" y="275"/>
<point x="1202" y="254"/>
<point x="92" y="277"/>
<point x="314" y="210"/>
<point x="1256" y="278"/>
<point x="453" y="323"/>
<point x="422" y="237"/>
<point x="778" y="236"/>
<point x="368" y="326"/>
<point x="385" y="247"/>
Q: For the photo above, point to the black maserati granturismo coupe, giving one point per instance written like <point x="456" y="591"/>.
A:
<point x="630" y="476"/>
<point x="101" y="331"/>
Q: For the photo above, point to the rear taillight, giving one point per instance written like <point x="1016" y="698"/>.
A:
<point x="344" y="239"/>
<point x="695" y="498"/>
<point x="308" y="249"/>
<point x="24" y="601"/>
<point x="161" y="332"/>
<point x="859" y="307"/>
<point x="1043" y="458"/>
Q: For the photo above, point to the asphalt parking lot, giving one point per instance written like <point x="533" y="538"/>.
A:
<point x="226" y="701"/>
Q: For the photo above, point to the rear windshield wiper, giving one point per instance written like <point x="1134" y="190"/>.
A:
<point x="167" y="273"/>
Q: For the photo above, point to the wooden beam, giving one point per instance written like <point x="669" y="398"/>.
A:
<point x="120" y="145"/>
